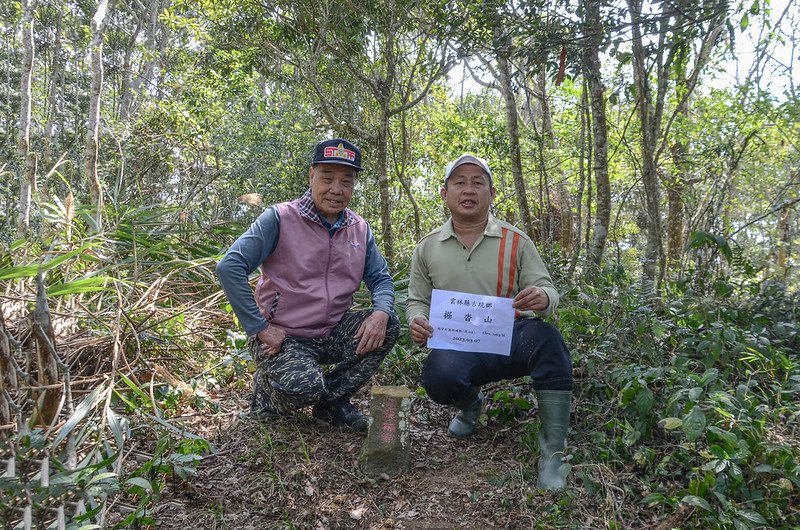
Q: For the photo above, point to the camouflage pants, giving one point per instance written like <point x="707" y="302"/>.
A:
<point x="294" y="378"/>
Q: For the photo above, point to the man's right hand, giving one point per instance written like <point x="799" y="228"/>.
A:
<point x="421" y="330"/>
<point x="271" y="338"/>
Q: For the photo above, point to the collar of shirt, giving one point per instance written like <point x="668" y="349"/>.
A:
<point x="492" y="229"/>
<point x="309" y="210"/>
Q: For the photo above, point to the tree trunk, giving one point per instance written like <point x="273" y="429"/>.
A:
<point x="653" y="249"/>
<point x="53" y="108"/>
<point x="556" y="218"/>
<point x="582" y="182"/>
<point x="400" y="169"/>
<point x="544" y="224"/>
<point x="504" y="74"/>
<point x="126" y="89"/>
<point x="8" y="374"/>
<point x="46" y="363"/>
<point x="381" y="165"/>
<point x="586" y="144"/>
<point x="93" y="123"/>
<point x="784" y="245"/>
<point x="27" y="176"/>
<point x="675" y="221"/>
<point x="155" y="51"/>
<point x="593" y="30"/>
<point x="678" y="183"/>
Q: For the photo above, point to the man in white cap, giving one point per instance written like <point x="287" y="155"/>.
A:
<point x="473" y="252"/>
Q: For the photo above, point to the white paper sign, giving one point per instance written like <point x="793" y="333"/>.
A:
<point x="471" y="322"/>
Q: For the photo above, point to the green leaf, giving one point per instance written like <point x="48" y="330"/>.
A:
<point x="88" y="515"/>
<point x="88" y="403"/>
<point x="718" y="451"/>
<point x="101" y="477"/>
<point x="736" y="472"/>
<point x="653" y="499"/>
<point x="659" y="330"/>
<point x="29" y="271"/>
<point x="694" y="423"/>
<point x="729" y="439"/>
<point x="694" y="500"/>
<point x="138" y="391"/>
<point x="644" y="401"/>
<point x="182" y="432"/>
<point x="751" y="516"/>
<point x="84" y="285"/>
<point x="127" y="402"/>
<point x="699" y="238"/>
<point x="671" y="423"/>
<point x="745" y="22"/>
<point x="140" y="482"/>
<point x="709" y="376"/>
<point x="117" y="427"/>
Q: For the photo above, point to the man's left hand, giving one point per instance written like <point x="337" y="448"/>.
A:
<point x="371" y="334"/>
<point x="531" y="299"/>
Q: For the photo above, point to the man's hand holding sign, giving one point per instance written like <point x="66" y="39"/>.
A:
<point x="471" y="322"/>
<point x="490" y="314"/>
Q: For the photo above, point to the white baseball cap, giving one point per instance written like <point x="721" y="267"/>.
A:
<point x="467" y="159"/>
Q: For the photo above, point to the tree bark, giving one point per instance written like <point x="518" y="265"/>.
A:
<point x="582" y="182"/>
<point x="593" y="30"/>
<point x="676" y="186"/>
<point x="782" y="268"/>
<point x="381" y="165"/>
<point x="46" y="363"/>
<point x="8" y="373"/>
<point x="678" y="183"/>
<point x="53" y="107"/>
<point x="504" y="75"/>
<point x="400" y="170"/>
<point x="131" y="104"/>
<point x="557" y="221"/>
<point x="27" y="176"/>
<point x="544" y="224"/>
<point x="648" y="120"/>
<point x="93" y="123"/>
<point x="126" y="88"/>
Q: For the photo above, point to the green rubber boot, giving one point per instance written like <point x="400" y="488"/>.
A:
<point x="554" y="408"/>
<point x="465" y="421"/>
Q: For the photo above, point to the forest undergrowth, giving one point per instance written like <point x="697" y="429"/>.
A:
<point x="125" y="374"/>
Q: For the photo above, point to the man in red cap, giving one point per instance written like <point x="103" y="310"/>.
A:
<point x="313" y="253"/>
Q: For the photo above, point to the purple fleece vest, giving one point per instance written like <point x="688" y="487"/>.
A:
<point x="315" y="274"/>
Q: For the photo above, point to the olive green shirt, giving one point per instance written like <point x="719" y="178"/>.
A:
<point x="502" y="262"/>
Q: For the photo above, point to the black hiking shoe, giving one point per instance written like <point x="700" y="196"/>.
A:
<point x="257" y="413"/>
<point x="260" y="415"/>
<point x="341" y="414"/>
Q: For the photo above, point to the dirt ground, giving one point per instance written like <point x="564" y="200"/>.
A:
<point x="299" y="472"/>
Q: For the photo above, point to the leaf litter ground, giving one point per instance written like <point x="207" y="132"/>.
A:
<point x="299" y="472"/>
